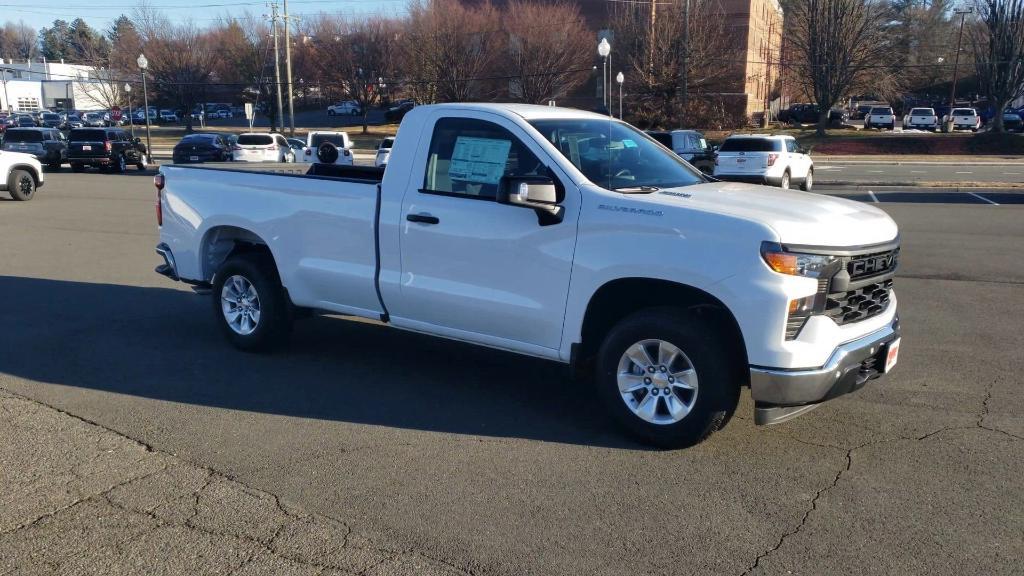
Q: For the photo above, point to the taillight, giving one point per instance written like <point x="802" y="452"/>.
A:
<point x="107" y="145"/>
<point x="158" y="181"/>
<point x="772" y="158"/>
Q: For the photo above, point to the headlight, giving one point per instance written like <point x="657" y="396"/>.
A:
<point x="795" y="263"/>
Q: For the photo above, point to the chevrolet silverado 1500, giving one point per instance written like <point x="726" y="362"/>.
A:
<point x="564" y="235"/>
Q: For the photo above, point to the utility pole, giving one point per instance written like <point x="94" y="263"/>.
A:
<point x="686" y="55"/>
<point x="288" y="70"/>
<point x="956" y="60"/>
<point x="277" y="64"/>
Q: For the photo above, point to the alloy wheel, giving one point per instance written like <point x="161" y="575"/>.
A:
<point x="240" y="304"/>
<point x="657" y="381"/>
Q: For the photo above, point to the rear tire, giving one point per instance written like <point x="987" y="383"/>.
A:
<point x="121" y="166"/>
<point x="784" y="183"/>
<point x="142" y="163"/>
<point x="21" y="185"/>
<point x="54" y="166"/>
<point x="700" y="399"/>
<point x="261" y="321"/>
<point x="77" y="168"/>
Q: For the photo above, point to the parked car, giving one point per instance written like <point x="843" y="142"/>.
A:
<point x="71" y="121"/>
<point x="861" y="112"/>
<point x="1012" y="122"/>
<point x="765" y="159"/>
<point x="5" y="123"/>
<point x="109" y="149"/>
<point x="48" y="145"/>
<point x="964" y="119"/>
<point x="94" y="120"/>
<point x="396" y="113"/>
<point x="348" y="108"/>
<point x="202" y="147"/>
<point x="168" y="117"/>
<point x="262" y="147"/>
<point x="327" y="148"/>
<point x="880" y="117"/>
<point x="296" y="144"/>
<point x="20" y="175"/>
<point x="690" y="145"/>
<point x="559" y="234"/>
<point x="26" y="121"/>
<point x="380" y="160"/>
<point x="50" y="120"/>
<point x="810" y="114"/>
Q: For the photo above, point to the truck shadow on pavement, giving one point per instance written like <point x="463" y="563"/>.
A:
<point x="164" y="344"/>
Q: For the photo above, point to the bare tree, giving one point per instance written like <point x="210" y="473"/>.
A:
<point x="244" y="59"/>
<point x="358" y="56"/>
<point x="18" y="41"/>
<point x="449" y="49"/>
<point x="181" y="63"/>
<point x="835" y="43"/>
<point x="549" y="49"/>
<point x="653" y="43"/>
<point x="999" y="53"/>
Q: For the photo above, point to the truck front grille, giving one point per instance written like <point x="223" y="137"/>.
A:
<point x="860" y="304"/>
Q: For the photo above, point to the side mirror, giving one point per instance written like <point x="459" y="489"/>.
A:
<point x="538" y="193"/>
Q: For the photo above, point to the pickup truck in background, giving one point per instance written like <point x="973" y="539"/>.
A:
<point x="880" y="117"/>
<point x="564" y="235"/>
<point x="921" y="118"/>
<point x="963" y="119"/>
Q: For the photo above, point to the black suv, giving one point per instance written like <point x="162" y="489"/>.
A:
<point x="105" y="148"/>
<point x="46" y="144"/>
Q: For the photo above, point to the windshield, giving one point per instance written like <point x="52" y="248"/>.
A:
<point x="336" y="139"/>
<point x="198" y="138"/>
<point x="617" y="156"/>
<point x="51" y="117"/>
<point x="1011" y="116"/>
<point x="387" y="143"/>
<point x="23" y="136"/>
<point x="922" y="112"/>
<point x="963" y="112"/>
<point x="881" y="110"/>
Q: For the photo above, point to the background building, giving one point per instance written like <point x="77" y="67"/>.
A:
<point x="30" y="86"/>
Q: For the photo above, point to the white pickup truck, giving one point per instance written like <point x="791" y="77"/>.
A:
<point x="564" y="235"/>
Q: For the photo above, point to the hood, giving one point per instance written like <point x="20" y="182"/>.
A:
<point x="797" y="217"/>
<point x="18" y="157"/>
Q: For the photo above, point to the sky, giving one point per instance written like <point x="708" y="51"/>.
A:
<point x="100" y="13"/>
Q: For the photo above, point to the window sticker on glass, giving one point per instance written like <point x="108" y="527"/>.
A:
<point x="627" y="143"/>
<point x="479" y="160"/>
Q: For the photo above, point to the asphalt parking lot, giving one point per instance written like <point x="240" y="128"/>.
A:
<point x="496" y="464"/>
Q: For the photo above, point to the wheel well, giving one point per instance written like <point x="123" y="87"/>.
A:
<point x="223" y="242"/>
<point x="27" y="168"/>
<point x="620" y="298"/>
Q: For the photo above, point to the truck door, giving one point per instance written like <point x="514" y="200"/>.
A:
<point x="472" y="268"/>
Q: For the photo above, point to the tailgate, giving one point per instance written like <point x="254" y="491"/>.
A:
<point x="86" y="150"/>
<point x="741" y="162"/>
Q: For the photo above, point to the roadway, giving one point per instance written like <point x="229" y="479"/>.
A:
<point x="856" y="171"/>
<point x="498" y="464"/>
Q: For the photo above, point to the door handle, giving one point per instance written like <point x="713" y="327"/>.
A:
<point x="423" y="218"/>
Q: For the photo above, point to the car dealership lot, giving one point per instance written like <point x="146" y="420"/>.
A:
<point x="495" y="464"/>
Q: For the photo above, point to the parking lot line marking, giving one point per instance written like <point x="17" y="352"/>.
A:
<point x="983" y="198"/>
<point x="918" y="172"/>
<point x="1011" y="173"/>
<point x="965" y="172"/>
<point x="876" y="171"/>
<point x="873" y="197"/>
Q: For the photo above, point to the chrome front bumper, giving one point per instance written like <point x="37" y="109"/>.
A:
<point x="780" y="394"/>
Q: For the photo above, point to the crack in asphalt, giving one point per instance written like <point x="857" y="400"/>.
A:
<point x="212" y="475"/>
<point x="979" y="424"/>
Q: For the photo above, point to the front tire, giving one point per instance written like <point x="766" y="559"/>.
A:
<point x="664" y="376"/>
<point x="77" y="167"/>
<point x="21" y="185"/>
<point x="250" y="304"/>
<point x="808" y="184"/>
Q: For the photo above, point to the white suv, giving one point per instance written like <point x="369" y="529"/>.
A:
<point x="773" y="160"/>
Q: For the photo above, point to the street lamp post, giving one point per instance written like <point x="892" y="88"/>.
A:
<point x="603" y="50"/>
<point x="956" y="61"/>
<point x="131" y="121"/>
<point x="620" y="78"/>
<point x="143" y="64"/>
